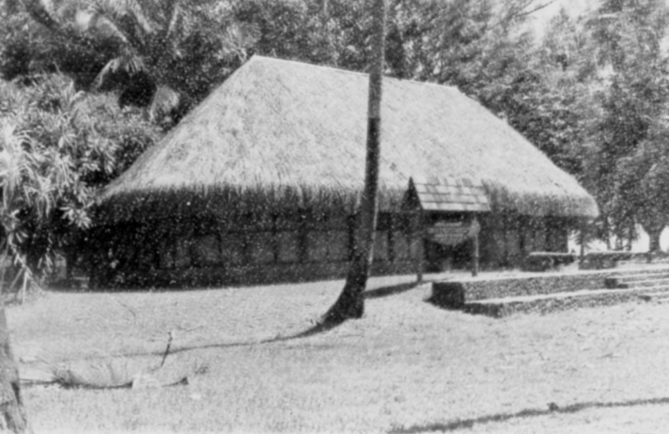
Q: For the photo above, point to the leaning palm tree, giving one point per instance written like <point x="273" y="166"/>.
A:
<point x="350" y="303"/>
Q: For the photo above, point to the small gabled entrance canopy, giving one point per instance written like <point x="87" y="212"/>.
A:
<point x="448" y="195"/>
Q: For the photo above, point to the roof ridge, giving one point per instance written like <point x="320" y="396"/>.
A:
<point x="351" y="72"/>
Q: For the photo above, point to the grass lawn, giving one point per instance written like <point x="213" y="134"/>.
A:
<point x="407" y="366"/>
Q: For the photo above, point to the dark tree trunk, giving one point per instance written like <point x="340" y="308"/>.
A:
<point x="630" y="236"/>
<point x="351" y="302"/>
<point x="654" y="241"/>
<point x="13" y="414"/>
<point x="607" y="232"/>
<point x="653" y="228"/>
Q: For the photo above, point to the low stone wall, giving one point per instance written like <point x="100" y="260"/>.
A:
<point x="456" y="293"/>
<point x="544" y="306"/>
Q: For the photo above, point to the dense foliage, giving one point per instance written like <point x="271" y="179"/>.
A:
<point x="591" y="93"/>
<point x="57" y="146"/>
<point x="155" y="54"/>
<point x="631" y="95"/>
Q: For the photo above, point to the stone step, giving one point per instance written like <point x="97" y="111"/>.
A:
<point x="636" y="275"/>
<point x="637" y="283"/>
<point x="644" y="261"/>
<point x="621" y="279"/>
<point x="544" y="303"/>
<point x="660" y="296"/>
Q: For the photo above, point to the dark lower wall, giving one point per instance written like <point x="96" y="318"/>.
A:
<point x="164" y="254"/>
<point x="210" y="252"/>
<point x="506" y="239"/>
<point x="242" y="275"/>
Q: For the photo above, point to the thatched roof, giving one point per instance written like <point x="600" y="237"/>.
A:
<point x="279" y="130"/>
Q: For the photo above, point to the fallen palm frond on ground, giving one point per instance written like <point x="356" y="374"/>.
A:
<point x="112" y="373"/>
<point x="116" y="373"/>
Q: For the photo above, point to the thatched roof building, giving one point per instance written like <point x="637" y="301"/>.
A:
<point x="280" y="132"/>
<point x="261" y="181"/>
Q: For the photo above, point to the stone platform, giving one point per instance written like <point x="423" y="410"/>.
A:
<point x="504" y="295"/>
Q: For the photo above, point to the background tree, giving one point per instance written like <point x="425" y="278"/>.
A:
<point x="147" y="49"/>
<point x="631" y="95"/>
<point x="157" y="54"/>
<point x="643" y="182"/>
<point x="28" y="48"/>
<point x="551" y="98"/>
<point x="487" y="50"/>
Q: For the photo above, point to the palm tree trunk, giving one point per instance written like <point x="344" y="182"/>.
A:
<point x="13" y="417"/>
<point x="351" y="302"/>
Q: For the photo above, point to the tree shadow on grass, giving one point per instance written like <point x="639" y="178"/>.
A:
<point x="319" y="327"/>
<point x="327" y="324"/>
<point x="461" y="424"/>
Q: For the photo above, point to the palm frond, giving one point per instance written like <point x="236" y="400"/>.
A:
<point x="128" y="64"/>
<point x="130" y="16"/>
<point x="172" y="13"/>
<point x="94" y="21"/>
